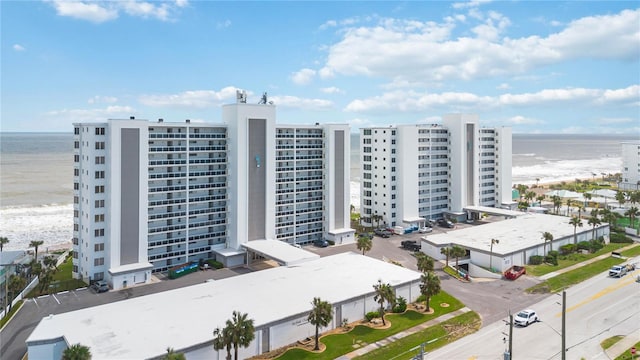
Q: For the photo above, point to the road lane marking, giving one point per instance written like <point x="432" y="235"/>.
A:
<point x="34" y="300"/>
<point x="54" y="296"/>
<point x="609" y="289"/>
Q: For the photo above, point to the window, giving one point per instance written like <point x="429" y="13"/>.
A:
<point x="76" y="172"/>
<point x="75" y="227"/>
<point x="99" y="189"/>
<point x="76" y="144"/>
<point x="98" y="247"/>
<point x="99" y="204"/>
<point x="98" y="232"/>
<point x="100" y="174"/>
<point x="98" y="276"/>
<point x="99" y="131"/>
<point x="75" y="254"/>
<point x="99" y="145"/>
<point x="76" y="200"/>
<point x="76" y="186"/>
<point x="98" y="261"/>
<point x="76" y="158"/>
<point x="99" y="160"/>
<point x="76" y="131"/>
<point x="99" y="218"/>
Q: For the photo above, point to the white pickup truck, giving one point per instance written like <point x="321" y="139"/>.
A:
<point x="621" y="270"/>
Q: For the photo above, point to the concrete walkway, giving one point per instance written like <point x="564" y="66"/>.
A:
<point x="575" y="266"/>
<point x="623" y="345"/>
<point x="384" y="342"/>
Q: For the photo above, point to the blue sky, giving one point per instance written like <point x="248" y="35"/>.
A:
<point x="540" y="67"/>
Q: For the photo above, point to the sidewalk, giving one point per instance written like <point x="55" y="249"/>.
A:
<point x="378" y="344"/>
<point x="623" y="345"/>
<point x="575" y="266"/>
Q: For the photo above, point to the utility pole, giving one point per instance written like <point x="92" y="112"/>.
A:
<point x="510" y="335"/>
<point x="564" y="322"/>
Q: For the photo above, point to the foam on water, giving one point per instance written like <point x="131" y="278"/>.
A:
<point x="565" y="170"/>
<point x="52" y="224"/>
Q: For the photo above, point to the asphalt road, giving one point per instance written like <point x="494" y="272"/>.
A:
<point x="596" y="309"/>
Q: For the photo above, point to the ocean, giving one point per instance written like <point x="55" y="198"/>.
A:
<point x="36" y="176"/>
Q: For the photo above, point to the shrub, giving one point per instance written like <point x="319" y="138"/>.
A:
<point x="620" y="238"/>
<point x="550" y="259"/>
<point x="553" y="253"/>
<point x="372" y="315"/>
<point x="331" y="242"/>
<point x="421" y="299"/>
<point x="568" y="249"/>
<point x="401" y="305"/>
<point x="595" y="245"/>
<point x="215" y="264"/>
<point x="535" y="260"/>
<point x="584" y="245"/>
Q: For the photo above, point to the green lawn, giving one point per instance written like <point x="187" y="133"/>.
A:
<point x="576" y="276"/>
<point x="340" y="344"/>
<point x="571" y="259"/>
<point x="62" y="280"/>
<point x="433" y="337"/>
<point x="607" y="343"/>
<point x="633" y="252"/>
<point x="624" y="221"/>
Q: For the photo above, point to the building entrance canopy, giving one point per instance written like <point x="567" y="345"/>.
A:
<point x="281" y="252"/>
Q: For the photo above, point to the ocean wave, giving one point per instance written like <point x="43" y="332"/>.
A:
<point x="51" y="223"/>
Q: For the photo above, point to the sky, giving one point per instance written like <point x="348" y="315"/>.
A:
<point x="536" y="66"/>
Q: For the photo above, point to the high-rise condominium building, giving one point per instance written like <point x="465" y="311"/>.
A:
<point x="630" y="166"/>
<point x="152" y="195"/>
<point x="410" y="173"/>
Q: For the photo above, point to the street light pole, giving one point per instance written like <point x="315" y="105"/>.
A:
<point x="564" y="322"/>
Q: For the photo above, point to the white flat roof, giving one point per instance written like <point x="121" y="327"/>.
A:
<point x="143" y="327"/>
<point x="514" y="234"/>
<point x="131" y="267"/>
<point x="280" y="251"/>
<point x="493" y="210"/>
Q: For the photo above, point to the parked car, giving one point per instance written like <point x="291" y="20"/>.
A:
<point x="425" y="229"/>
<point x="410" y="245"/>
<point x="320" y="243"/>
<point x="621" y="270"/>
<point x="525" y="317"/>
<point x="446" y="223"/>
<point x="381" y="233"/>
<point x="100" y="286"/>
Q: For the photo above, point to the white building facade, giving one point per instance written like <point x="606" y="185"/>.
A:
<point x="411" y="173"/>
<point x="630" y="166"/>
<point x="152" y="195"/>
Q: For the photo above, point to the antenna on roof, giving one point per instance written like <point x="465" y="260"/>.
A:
<point x="241" y="97"/>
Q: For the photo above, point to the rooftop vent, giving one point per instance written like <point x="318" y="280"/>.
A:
<point x="160" y="120"/>
<point x="132" y="117"/>
<point x="187" y="121"/>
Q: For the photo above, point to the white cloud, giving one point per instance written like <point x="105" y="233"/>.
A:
<point x="414" y="101"/>
<point x="301" y="103"/>
<point x="94" y="11"/>
<point x="614" y="121"/>
<point x="195" y="98"/>
<point x="87" y="115"/>
<point x="223" y="24"/>
<point x="303" y="77"/>
<point x="102" y="11"/>
<point x="328" y="24"/>
<point x="332" y="90"/>
<point x="18" y="47"/>
<point x="503" y="86"/>
<point x="102" y="99"/>
<point x="522" y="120"/>
<point x="359" y="123"/>
<point x="397" y="50"/>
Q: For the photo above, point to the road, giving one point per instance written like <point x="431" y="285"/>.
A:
<point x="596" y="309"/>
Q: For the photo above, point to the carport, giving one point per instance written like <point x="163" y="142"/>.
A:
<point x="283" y="253"/>
<point x="508" y="214"/>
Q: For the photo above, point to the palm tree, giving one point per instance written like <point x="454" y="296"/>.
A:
<point x="429" y="286"/>
<point x="376" y="218"/>
<point x="320" y="316"/>
<point x="446" y="252"/>
<point x="50" y="263"/>
<point x="594" y="221"/>
<point x="575" y="221"/>
<point x="77" y="352"/>
<point x="634" y="197"/>
<point x="521" y="190"/>
<point x="529" y="195"/>
<point x="547" y="236"/>
<point x="425" y="263"/>
<point x="587" y="197"/>
<point x="632" y="213"/>
<point x="540" y="198"/>
<point x="45" y="279"/>
<point x="3" y="240"/>
<point x="457" y="252"/>
<point x="384" y="293"/>
<point x="364" y="243"/>
<point x="15" y="285"/>
<point x="352" y="208"/>
<point x="241" y="331"/>
<point x="580" y="208"/>
<point x="35" y="244"/>
<point x="569" y="203"/>
<point x="222" y="340"/>
<point x="620" y="198"/>
<point x="172" y="355"/>
<point x="557" y="202"/>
